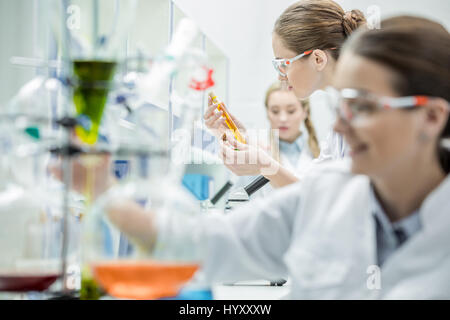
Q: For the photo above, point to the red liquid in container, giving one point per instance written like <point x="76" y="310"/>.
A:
<point x="16" y="282"/>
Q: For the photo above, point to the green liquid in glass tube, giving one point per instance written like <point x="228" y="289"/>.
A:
<point x="94" y="79"/>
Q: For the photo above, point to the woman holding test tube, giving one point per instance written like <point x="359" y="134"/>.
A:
<point x="306" y="61"/>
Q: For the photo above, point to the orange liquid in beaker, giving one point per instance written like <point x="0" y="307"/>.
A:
<point x="143" y="280"/>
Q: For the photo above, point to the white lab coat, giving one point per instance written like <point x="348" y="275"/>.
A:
<point x="303" y="162"/>
<point x="333" y="148"/>
<point x="319" y="232"/>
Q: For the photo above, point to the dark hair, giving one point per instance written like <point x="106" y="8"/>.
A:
<point x="317" y="24"/>
<point x="418" y="51"/>
<point x="411" y="22"/>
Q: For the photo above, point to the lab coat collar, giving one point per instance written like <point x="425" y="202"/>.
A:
<point x="432" y="210"/>
<point x="410" y="224"/>
<point x="426" y="250"/>
<point x="298" y="143"/>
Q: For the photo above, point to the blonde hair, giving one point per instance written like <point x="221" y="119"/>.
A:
<point x="317" y="24"/>
<point x="313" y="143"/>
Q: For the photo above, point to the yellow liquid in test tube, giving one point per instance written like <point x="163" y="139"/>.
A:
<point x="230" y="123"/>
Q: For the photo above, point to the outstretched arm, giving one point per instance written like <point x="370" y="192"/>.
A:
<point x="248" y="244"/>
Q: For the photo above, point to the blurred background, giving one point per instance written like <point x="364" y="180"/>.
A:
<point x="236" y="35"/>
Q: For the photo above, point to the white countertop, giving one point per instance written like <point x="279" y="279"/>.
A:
<point x="255" y="290"/>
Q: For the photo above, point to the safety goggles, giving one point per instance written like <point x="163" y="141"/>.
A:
<point x="350" y="104"/>
<point x="281" y="65"/>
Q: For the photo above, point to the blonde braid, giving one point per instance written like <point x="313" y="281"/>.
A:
<point x="274" y="146"/>
<point x="313" y="143"/>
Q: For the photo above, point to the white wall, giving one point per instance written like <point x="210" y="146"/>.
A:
<point x="242" y="29"/>
<point x="16" y="35"/>
<point x="438" y="10"/>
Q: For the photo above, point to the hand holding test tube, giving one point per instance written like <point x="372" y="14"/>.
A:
<point x="222" y="120"/>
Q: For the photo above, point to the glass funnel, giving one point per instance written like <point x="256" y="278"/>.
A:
<point x="93" y="83"/>
<point x="92" y="38"/>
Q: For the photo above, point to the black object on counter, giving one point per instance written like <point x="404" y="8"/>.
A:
<point x="255" y="185"/>
<point x="221" y="192"/>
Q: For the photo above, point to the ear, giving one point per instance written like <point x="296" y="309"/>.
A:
<point x="320" y="59"/>
<point x="282" y="78"/>
<point x="436" y="116"/>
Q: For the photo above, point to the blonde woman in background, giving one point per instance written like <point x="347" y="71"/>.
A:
<point x="288" y="114"/>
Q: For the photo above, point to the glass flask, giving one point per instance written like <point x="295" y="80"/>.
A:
<point x="30" y="216"/>
<point x="118" y="236"/>
<point x="30" y="134"/>
<point x="34" y="109"/>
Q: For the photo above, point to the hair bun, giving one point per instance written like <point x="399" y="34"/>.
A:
<point x="352" y="20"/>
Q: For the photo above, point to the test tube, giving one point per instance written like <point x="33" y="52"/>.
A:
<point x="230" y="123"/>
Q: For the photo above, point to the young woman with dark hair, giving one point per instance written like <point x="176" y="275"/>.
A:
<point x="374" y="226"/>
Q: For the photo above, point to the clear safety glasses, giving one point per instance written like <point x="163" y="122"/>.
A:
<point x="281" y="65"/>
<point x="350" y="104"/>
